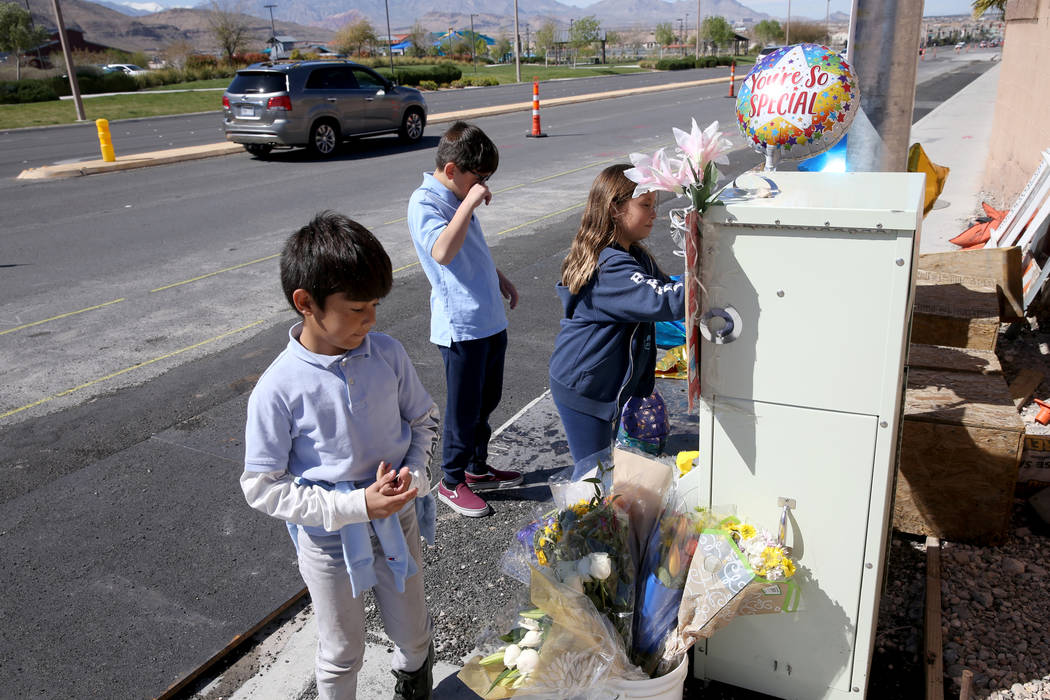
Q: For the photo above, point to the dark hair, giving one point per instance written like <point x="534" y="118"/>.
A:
<point x="334" y="254"/>
<point x="468" y="148"/>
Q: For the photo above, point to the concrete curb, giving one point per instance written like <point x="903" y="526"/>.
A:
<point x="176" y="155"/>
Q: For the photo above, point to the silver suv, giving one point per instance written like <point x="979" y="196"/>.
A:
<point x="317" y="104"/>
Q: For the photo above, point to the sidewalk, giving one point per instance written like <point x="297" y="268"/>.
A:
<point x="956" y="135"/>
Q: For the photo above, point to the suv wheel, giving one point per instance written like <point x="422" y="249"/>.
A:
<point x="411" y="126"/>
<point x="324" y="138"/>
<point x="259" y="150"/>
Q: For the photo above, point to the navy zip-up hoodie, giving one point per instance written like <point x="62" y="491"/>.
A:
<point x="606" y="349"/>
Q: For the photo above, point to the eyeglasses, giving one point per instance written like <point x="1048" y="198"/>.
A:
<point x="481" y="178"/>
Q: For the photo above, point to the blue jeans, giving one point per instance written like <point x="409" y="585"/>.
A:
<point x="587" y="434"/>
<point x="474" y="385"/>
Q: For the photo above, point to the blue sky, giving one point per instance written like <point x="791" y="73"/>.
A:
<point x="817" y="8"/>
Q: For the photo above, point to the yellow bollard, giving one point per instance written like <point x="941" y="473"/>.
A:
<point x="104" y="140"/>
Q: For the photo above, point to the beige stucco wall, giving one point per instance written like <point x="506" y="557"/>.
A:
<point x="1021" y="126"/>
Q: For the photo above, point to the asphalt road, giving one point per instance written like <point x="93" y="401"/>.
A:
<point x="136" y="311"/>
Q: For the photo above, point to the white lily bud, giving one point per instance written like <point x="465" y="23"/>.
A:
<point x="601" y="565"/>
<point x="511" y="655"/>
<point x="532" y="639"/>
<point x="583" y="568"/>
<point x="528" y="660"/>
<point x="528" y="623"/>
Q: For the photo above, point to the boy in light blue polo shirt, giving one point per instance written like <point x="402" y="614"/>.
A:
<point x="467" y="321"/>
<point x="339" y="436"/>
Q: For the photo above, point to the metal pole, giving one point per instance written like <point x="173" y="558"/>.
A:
<point x="883" y="42"/>
<point x="473" y="45"/>
<point x="787" y="27"/>
<point x="517" y="44"/>
<point x="827" y="24"/>
<point x="74" y="86"/>
<point x="389" y="40"/>
<point x="698" y="28"/>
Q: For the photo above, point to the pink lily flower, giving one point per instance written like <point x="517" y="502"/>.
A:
<point x="657" y="172"/>
<point x="702" y="147"/>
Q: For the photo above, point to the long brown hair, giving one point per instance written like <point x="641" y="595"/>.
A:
<point x="598" y="227"/>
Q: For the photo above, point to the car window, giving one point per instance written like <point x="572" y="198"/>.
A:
<point x="132" y="67"/>
<point x="331" y="78"/>
<point x="257" y="82"/>
<point x="368" y="79"/>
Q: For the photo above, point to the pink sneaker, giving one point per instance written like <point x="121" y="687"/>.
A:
<point x="463" y="501"/>
<point x="493" y="479"/>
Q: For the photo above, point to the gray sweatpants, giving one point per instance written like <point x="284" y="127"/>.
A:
<point x="341" y="617"/>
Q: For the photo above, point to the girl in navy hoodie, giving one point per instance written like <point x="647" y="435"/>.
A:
<point x="613" y="292"/>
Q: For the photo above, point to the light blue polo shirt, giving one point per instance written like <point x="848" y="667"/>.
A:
<point x="465" y="302"/>
<point x="333" y="418"/>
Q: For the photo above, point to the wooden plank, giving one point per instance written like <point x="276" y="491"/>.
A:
<point x="1002" y="266"/>
<point x="961" y="444"/>
<point x="1024" y="385"/>
<point x="961" y="398"/>
<point x="959" y="314"/>
<point x="922" y="356"/>
<point x="966" y="685"/>
<point x="932" y="635"/>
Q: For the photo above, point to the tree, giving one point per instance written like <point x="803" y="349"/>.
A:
<point x="418" y="39"/>
<point x="228" y="26"/>
<point x="768" y="31"/>
<point x="664" y="34"/>
<point x="545" y="38"/>
<point x="585" y="31"/>
<point x="613" y="38"/>
<point x="808" y="32"/>
<point x="354" y="37"/>
<point x="502" y="47"/>
<point x="717" y="30"/>
<point x="982" y="6"/>
<point x="17" y="32"/>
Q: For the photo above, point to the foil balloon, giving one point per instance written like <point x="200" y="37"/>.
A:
<point x="797" y="102"/>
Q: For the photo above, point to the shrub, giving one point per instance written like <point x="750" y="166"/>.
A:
<point x="682" y="63"/>
<point x="413" y="74"/>
<point x="92" y="84"/>
<point x="28" y="90"/>
<point x="200" y="60"/>
<point x="246" y="59"/>
<point x="427" y="85"/>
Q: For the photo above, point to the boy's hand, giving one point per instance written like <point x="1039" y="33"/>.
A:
<point x="479" y="192"/>
<point x="508" y="290"/>
<point x="389" y="493"/>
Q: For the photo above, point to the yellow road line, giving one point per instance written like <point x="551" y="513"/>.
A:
<point x="93" y="382"/>
<point x="545" y="216"/>
<point x="66" y="315"/>
<point x="217" y="272"/>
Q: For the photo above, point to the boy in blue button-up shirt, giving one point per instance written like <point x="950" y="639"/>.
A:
<point x="339" y="436"/>
<point x="467" y="321"/>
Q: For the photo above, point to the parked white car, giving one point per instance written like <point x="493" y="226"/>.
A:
<point x="129" y="68"/>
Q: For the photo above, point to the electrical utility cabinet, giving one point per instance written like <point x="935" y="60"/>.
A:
<point x="806" y="300"/>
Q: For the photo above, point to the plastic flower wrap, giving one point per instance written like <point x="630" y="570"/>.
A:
<point x="556" y="646"/>
<point x="737" y="569"/>
<point x="662" y="578"/>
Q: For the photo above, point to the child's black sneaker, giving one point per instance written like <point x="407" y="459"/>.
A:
<point x="493" y="479"/>
<point x="416" y="685"/>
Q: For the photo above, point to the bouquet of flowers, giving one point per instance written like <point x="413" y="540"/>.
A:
<point x="584" y="545"/>
<point x="661" y="581"/>
<point x="737" y="569"/>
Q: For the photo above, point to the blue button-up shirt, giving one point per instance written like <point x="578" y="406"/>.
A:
<point x="465" y="301"/>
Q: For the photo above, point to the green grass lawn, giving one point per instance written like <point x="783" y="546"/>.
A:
<point x="146" y="104"/>
<point x="192" y="85"/>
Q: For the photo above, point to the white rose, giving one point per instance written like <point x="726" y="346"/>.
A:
<point x="532" y="638"/>
<point x="527" y="661"/>
<point x="601" y="565"/>
<point x="511" y="655"/>
<point x="583" y="568"/>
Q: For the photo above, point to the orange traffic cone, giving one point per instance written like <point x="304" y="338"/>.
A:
<point x="536" y="133"/>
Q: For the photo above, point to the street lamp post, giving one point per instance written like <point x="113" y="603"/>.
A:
<point x="273" y="34"/>
<point x="698" y="28"/>
<point x="787" y="28"/>
<point x="473" y="44"/>
<point x="517" y="44"/>
<point x="389" y="40"/>
<point x="571" y="20"/>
